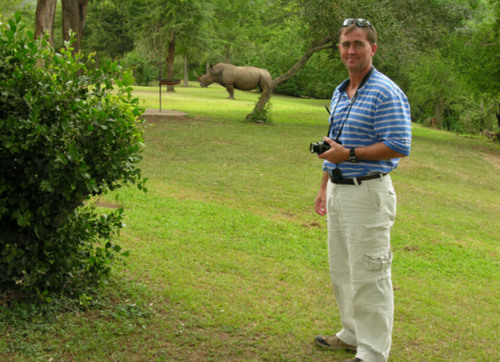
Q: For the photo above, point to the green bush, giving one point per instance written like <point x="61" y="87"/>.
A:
<point x="68" y="130"/>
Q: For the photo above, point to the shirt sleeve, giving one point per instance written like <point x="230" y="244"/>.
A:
<point x="393" y="123"/>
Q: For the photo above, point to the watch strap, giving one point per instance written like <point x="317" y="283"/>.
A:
<point x="352" y="155"/>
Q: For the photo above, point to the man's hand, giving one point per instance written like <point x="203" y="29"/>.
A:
<point x="320" y="204"/>
<point x="336" y="154"/>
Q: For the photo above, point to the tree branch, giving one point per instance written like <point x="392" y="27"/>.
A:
<point x="322" y="45"/>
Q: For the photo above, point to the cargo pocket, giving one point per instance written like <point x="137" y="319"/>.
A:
<point x="380" y="261"/>
<point x="377" y="235"/>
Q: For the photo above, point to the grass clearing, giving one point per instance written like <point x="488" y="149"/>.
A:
<point x="228" y="260"/>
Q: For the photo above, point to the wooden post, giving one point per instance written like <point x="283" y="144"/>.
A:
<point x="159" y="85"/>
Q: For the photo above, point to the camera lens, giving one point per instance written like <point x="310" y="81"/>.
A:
<point x="319" y="147"/>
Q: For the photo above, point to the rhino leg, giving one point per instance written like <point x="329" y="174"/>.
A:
<point x="230" y="90"/>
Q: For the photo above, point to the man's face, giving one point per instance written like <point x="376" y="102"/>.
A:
<point x="356" y="51"/>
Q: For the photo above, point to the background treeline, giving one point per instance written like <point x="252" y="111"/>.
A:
<point x="445" y="54"/>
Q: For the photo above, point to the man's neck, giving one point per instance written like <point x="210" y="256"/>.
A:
<point x="356" y="78"/>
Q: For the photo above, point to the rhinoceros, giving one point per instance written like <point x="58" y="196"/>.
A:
<point x="233" y="77"/>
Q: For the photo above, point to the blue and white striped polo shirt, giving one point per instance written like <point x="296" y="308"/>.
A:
<point x="380" y="113"/>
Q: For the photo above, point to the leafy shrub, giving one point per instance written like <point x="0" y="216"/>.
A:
<point x="66" y="133"/>
<point x="475" y="116"/>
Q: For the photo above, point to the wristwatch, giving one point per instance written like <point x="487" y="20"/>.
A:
<point x="352" y="156"/>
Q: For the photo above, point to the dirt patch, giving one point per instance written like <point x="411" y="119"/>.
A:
<point x="155" y="115"/>
<point x="163" y="113"/>
<point x="163" y="118"/>
<point x="493" y="160"/>
<point x="312" y="225"/>
<point x="106" y="204"/>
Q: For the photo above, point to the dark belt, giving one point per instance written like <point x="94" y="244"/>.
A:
<point x="352" y="181"/>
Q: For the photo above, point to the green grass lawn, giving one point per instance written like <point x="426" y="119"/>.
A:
<point x="229" y="261"/>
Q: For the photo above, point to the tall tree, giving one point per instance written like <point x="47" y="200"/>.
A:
<point x="316" y="17"/>
<point x="44" y="18"/>
<point x="110" y="27"/>
<point x="73" y="16"/>
<point x="73" y="19"/>
<point x="236" y="26"/>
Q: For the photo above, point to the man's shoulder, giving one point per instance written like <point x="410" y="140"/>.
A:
<point x="381" y="83"/>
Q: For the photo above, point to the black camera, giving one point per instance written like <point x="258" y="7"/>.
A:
<point x="319" y="147"/>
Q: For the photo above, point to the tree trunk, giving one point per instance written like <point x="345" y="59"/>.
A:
<point x="44" y="18"/>
<point x="439" y="112"/>
<point x="186" y="70"/>
<point x="266" y="94"/>
<point x="498" y="117"/>
<point x="73" y="19"/>
<point x="170" y="61"/>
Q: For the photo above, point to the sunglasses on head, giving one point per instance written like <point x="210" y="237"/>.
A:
<point x="362" y="23"/>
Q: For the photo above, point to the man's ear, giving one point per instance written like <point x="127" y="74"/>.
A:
<point x="374" y="49"/>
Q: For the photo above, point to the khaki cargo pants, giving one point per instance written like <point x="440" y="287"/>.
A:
<point x="360" y="218"/>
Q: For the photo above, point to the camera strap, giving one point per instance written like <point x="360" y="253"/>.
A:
<point x="353" y="100"/>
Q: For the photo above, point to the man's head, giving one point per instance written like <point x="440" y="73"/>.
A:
<point x="358" y="44"/>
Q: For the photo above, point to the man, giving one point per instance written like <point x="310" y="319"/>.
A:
<point x="370" y="130"/>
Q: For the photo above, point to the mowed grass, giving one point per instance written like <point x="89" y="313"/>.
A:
<point x="229" y="261"/>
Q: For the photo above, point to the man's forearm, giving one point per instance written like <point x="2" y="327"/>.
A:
<point x="377" y="152"/>
<point x="320" y="202"/>
<point x="324" y="181"/>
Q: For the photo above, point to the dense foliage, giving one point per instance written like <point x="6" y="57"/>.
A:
<point x="66" y="133"/>
<point x="445" y="54"/>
